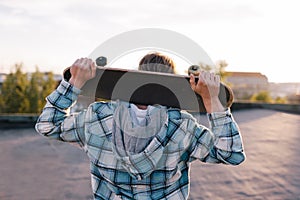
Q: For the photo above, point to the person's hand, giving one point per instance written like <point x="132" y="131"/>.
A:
<point x="82" y="70"/>
<point x="208" y="87"/>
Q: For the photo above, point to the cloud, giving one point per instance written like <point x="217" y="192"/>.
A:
<point x="177" y="11"/>
<point x="38" y="31"/>
<point x="71" y="24"/>
<point x="82" y="15"/>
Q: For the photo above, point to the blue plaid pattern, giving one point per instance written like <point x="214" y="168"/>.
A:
<point x="161" y="171"/>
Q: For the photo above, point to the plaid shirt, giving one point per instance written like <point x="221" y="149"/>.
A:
<point x="161" y="171"/>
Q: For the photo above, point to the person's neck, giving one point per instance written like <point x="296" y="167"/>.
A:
<point x="142" y="107"/>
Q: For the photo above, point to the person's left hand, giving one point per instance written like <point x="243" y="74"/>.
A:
<point x="82" y="70"/>
<point x="208" y="87"/>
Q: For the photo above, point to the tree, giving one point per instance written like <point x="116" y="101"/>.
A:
<point x="48" y="85"/>
<point x="41" y="85"/>
<point x="262" y="96"/>
<point x="34" y="92"/>
<point x="25" y="93"/>
<point x="13" y="98"/>
<point x="220" y="70"/>
<point x="205" y="67"/>
<point x="281" y="100"/>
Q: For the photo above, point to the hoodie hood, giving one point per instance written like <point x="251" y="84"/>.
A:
<point x="135" y="142"/>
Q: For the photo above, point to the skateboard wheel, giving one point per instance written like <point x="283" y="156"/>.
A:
<point x="101" y="61"/>
<point x="67" y="74"/>
<point x="194" y="69"/>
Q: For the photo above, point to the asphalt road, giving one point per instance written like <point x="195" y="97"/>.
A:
<point x="36" y="168"/>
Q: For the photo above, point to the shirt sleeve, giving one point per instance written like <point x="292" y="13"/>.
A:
<point x="56" y="122"/>
<point x="222" y="143"/>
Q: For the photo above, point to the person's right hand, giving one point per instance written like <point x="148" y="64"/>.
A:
<point x="208" y="87"/>
<point x="82" y="70"/>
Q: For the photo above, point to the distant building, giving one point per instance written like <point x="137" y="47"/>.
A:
<point x="290" y="91"/>
<point x="284" y="89"/>
<point x="245" y="84"/>
<point x="2" y="79"/>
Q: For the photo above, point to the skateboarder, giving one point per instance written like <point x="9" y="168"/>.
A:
<point x="142" y="151"/>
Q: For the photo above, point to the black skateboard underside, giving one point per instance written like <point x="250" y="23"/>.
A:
<point x="147" y="88"/>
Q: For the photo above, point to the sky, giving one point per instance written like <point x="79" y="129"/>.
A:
<point x="250" y="35"/>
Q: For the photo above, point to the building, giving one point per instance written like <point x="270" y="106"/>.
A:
<point x="245" y="84"/>
<point x="290" y="91"/>
<point x="2" y="79"/>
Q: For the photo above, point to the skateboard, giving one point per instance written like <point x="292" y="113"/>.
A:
<point x="147" y="88"/>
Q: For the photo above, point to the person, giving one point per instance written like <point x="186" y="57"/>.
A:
<point x="142" y="151"/>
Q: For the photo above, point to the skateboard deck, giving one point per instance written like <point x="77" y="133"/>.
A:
<point x="148" y="88"/>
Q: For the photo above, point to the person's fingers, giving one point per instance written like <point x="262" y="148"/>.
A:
<point x="91" y="62"/>
<point x="84" y="66"/>
<point x="208" y="78"/>
<point x="203" y="77"/>
<point x="214" y="79"/>
<point x="93" y="68"/>
<point x="212" y="76"/>
<point x="217" y="79"/>
<point x="192" y="81"/>
<point x="85" y="63"/>
<point x="76" y="62"/>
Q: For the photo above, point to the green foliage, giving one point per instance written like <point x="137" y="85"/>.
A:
<point x="205" y="67"/>
<point x="262" y="96"/>
<point x="14" y="88"/>
<point x="281" y="100"/>
<point x="23" y="94"/>
<point x="34" y="92"/>
<point x="48" y="85"/>
<point x="221" y="65"/>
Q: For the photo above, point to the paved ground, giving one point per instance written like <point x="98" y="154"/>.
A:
<point x="35" y="168"/>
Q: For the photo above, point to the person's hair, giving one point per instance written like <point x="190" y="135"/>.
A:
<point x="157" y="62"/>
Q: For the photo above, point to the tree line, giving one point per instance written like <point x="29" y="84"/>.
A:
<point x="25" y="92"/>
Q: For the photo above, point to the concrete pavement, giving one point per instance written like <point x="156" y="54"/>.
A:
<point x="36" y="168"/>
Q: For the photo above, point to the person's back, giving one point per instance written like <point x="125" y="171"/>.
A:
<point x="141" y="151"/>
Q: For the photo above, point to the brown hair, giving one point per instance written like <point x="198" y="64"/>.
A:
<point x="157" y="62"/>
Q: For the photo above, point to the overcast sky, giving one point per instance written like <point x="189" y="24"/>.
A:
<point x="251" y="35"/>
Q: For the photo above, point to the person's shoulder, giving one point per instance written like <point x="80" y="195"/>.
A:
<point x="103" y="107"/>
<point x="186" y="115"/>
<point x="175" y="113"/>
